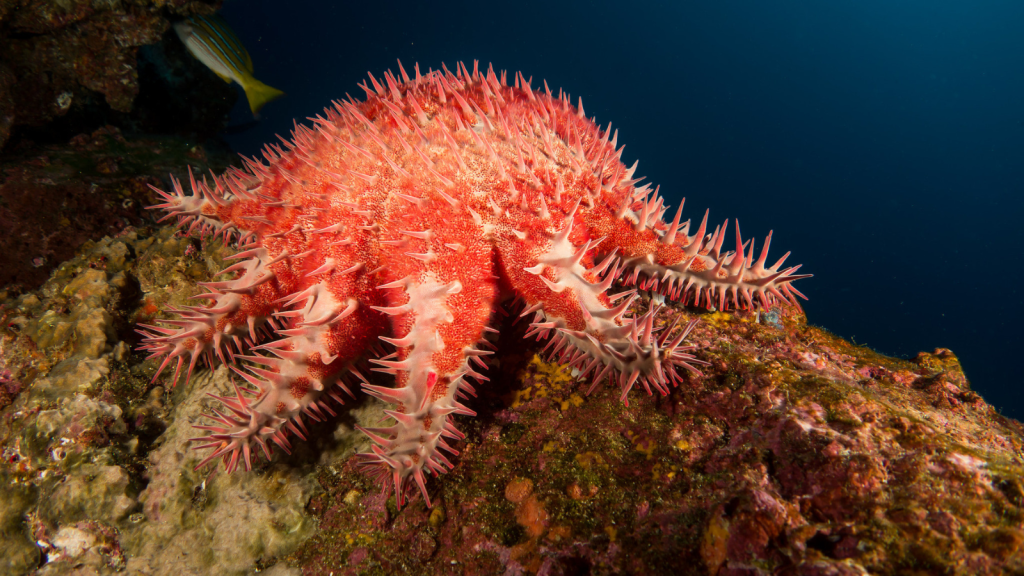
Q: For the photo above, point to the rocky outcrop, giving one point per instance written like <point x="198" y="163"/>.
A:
<point x="56" y="197"/>
<point x="796" y="453"/>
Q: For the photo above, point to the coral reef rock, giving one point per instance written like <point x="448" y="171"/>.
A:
<point x="796" y="453"/>
<point x="95" y="184"/>
<point x="77" y="61"/>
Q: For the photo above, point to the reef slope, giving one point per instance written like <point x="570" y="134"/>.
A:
<point x="796" y="453"/>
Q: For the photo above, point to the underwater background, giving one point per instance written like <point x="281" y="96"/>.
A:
<point x="882" y="141"/>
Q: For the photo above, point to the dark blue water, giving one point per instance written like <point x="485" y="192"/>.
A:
<point x="882" y="140"/>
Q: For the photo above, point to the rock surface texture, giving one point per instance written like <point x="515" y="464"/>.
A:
<point x="75" y="64"/>
<point x="53" y="198"/>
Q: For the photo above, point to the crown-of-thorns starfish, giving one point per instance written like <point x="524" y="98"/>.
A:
<point x="410" y="218"/>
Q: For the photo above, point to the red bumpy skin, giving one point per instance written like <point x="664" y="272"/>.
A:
<point x="409" y="218"/>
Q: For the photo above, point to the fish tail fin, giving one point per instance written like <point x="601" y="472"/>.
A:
<point x="259" y="94"/>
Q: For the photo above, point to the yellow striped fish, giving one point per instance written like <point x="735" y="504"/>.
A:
<point x="213" y="43"/>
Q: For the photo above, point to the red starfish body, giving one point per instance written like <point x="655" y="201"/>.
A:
<point x="409" y="218"/>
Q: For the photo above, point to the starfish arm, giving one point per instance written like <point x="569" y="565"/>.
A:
<point x="588" y="327"/>
<point x="328" y="328"/>
<point x="209" y="208"/>
<point x="319" y="303"/>
<point x="695" y="270"/>
<point x="240" y="310"/>
<point x="440" y="294"/>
